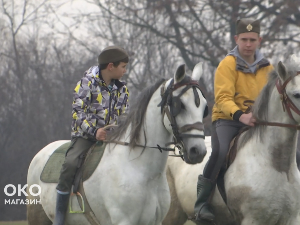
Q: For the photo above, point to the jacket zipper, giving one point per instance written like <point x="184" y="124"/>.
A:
<point x="109" y="107"/>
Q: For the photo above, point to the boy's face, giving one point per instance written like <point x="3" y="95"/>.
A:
<point x="248" y="43"/>
<point x="119" y="71"/>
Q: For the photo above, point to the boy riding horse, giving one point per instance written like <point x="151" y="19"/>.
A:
<point x="99" y="99"/>
<point x="240" y="77"/>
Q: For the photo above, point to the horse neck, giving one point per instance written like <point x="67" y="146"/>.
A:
<point x="155" y="130"/>
<point x="153" y="133"/>
<point x="281" y="141"/>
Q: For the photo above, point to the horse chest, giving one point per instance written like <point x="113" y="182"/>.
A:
<point x="272" y="199"/>
<point x="269" y="194"/>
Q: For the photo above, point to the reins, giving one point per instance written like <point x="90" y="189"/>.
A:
<point x="287" y="105"/>
<point x="297" y="127"/>
<point x="169" y="106"/>
<point x="127" y="143"/>
<point x="143" y="146"/>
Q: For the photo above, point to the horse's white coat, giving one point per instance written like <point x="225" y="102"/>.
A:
<point x="258" y="192"/>
<point x="263" y="183"/>
<point x="183" y="180"/>
<point x="129" y="186"/>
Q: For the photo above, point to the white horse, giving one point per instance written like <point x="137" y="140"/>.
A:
<point x="263" y="183"/>
<point x="182" y="180"/>
<point x="129" y="186"/>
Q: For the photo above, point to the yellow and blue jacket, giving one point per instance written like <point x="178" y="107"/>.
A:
<point x="95" y="104"/>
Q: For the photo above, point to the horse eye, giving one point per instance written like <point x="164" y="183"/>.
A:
<point x="296" y="95"/>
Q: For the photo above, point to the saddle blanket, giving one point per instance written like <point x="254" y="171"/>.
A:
<point x="51" y="171"/>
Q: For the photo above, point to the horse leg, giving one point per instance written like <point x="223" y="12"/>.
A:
<point x="36" y="214"/>
<point x="176" y="215"/>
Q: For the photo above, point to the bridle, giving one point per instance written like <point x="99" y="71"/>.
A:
<point x="171" y="107"/>
<point x="287" y="105"/>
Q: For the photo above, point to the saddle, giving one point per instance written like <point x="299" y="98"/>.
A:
<point x="86" y="166"/>
<point x="52" y="168"/>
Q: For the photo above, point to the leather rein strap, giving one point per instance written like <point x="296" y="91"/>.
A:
<point x="177" y="132"/>
<point x="287" y="105"/>
<point x="167" y="109"/>
<point x="278" y="124"/>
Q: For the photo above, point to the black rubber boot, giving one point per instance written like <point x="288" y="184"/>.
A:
<point x="202" y="210"/>
<point x="62" y="203"/>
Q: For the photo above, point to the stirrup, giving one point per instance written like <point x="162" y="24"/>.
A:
<point x="77" y="194"/>
<point x="198" y="215"/>
<point x="199" y="222"/>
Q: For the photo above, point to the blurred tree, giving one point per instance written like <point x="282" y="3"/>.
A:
<point x="37" y="75"/>
<point x="47" y="45"/>
<point x="200" y="30"/>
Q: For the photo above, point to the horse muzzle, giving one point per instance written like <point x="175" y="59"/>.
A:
<point x="195" y="154"/>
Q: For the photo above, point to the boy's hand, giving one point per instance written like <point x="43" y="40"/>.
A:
<point x="247" y="119"/>
<point x="101" y="134"/>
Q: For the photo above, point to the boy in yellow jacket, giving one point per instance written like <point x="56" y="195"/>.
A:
<point x="240" y="76"/>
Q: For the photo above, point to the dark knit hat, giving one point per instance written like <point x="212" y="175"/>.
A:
<point x="112" y="54"/>
<point x="247" y="25"/>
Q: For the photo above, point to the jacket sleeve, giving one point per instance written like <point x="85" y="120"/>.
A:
<point x="84" y="118"/>
<point x="224" y="88"/>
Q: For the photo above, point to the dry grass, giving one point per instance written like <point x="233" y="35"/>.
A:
<point x="189" y="223"/>
<point x="25" y="223"/>
<point x="13" y="223"/>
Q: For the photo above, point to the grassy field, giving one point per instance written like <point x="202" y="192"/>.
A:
<point x="13" y="223"/>
<point x="25" y="223"/>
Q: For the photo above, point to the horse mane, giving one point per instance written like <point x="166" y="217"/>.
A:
<point x="260" y="107"/>
<point x="135" y="117"/>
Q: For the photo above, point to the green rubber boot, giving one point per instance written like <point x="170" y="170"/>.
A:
<point x="204" y="189"/>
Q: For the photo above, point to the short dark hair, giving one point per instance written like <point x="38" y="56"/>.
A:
<point x="116" y="64"/>
<point x="112" y="54"/>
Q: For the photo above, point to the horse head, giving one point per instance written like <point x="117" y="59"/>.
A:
<point x="288" y="86"/>
<point x="184" y="107"/>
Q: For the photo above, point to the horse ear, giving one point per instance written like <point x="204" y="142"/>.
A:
<point x="197" y="71"/>
<point x="180" y="73"/>
<point x="294" y="58"/>
<point x="282" y="71"/>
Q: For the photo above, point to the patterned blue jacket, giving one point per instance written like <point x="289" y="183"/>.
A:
<point x="95" y="104"/>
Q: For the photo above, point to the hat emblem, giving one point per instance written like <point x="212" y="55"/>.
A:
<point x="249" y="27"/>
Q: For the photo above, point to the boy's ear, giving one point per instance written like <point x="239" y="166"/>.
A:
<point x="110" y="66"/>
